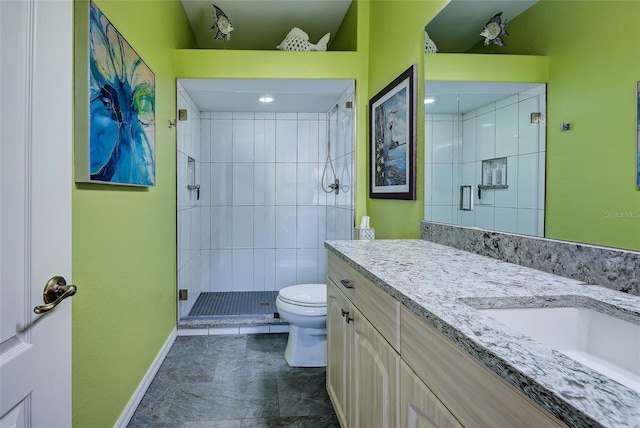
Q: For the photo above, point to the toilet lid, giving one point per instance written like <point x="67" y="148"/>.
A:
<point x="305" y="294"/>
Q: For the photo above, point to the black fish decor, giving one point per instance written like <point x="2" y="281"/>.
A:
<point x="222" y="23"/>
<point x="494" y="29"/>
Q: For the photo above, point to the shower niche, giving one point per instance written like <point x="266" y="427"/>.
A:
<point x="275" y="181"/>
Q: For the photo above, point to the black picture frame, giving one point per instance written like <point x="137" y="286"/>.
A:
<point x="393" y="138"/>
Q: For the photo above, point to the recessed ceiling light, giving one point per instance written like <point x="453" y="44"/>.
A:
<point x="265" y="99"/>
<point x="429" y="100"/>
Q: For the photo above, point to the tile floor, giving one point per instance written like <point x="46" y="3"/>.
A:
<point x="234" y="382"/>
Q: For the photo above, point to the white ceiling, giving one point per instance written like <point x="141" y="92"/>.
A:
<point x="462" y="97"/>
<point x="240" y="95"/>
<point x="263" y="24"/>
<point x="458" y="25"/>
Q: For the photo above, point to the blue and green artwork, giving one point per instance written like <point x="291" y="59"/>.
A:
<point x="121" y="108"/>
<point x="638" y="133"/>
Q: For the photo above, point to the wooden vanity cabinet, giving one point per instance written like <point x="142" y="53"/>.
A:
<point x="477" y="396"/>
<point x="419" y="407"/>
<point x="374" y="374"/>
<point x="362" y="367"/>
<point x="388" y="368"/>
<point x="338" y="351"/>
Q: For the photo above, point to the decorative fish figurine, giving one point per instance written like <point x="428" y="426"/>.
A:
<point x="429" y="45"/>
<point x="494" y="29"/>
<point x="298" y="40"/>
<point x="222" y="23"/>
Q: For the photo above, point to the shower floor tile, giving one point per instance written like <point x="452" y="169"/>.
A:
<point x="234" y="303"/>
<point x="234" y="382"/>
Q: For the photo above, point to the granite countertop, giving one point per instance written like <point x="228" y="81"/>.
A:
<point x="442" y="285"/>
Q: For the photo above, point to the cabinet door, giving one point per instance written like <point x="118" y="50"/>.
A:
<point x="338" y="351"/>
<point x="419" y="407"/>
<point x="374" y="377"/>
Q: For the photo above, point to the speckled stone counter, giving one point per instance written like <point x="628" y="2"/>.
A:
<point x="608" y="267"/>
<point x="444" y="286"/>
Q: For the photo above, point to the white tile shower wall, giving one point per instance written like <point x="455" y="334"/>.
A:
<point x="441" y="166"/>
<point x="190" y="221"/>
<point x="500" y="129"/>
<point x="268" y="215"/>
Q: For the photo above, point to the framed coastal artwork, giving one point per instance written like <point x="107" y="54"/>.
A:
<point x="392" y="135"/>
<point x="115" y="105"/>
<point x="638" y="134"/>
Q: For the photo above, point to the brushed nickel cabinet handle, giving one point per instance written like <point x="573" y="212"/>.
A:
<point x="347" y="283"/>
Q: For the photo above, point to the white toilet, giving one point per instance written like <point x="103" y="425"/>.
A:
<point x="304" y="306"/>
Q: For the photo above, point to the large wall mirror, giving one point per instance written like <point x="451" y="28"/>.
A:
<point x="485" y="146"/>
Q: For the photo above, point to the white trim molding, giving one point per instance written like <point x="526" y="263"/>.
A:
<point x="136" y="398"/>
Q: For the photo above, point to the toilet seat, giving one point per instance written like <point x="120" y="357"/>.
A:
<point x="307" y="295"/>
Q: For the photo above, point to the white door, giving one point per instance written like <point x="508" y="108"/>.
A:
<point x="35" y="210"/>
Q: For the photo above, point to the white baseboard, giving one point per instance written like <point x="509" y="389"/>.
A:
<point x="136" y="398"/>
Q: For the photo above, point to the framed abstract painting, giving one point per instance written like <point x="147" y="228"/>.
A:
<point x="114" y="105"/>
<point x="392" y="134"/>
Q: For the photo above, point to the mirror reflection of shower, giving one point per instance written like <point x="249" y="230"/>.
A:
<point x="266" y="205"/>
<point x="485" y="147"/>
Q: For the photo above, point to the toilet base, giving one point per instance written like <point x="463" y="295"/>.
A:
<point x="306" y="347"/>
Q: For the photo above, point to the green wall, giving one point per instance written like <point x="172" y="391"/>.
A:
<point x="124" y="251"/>
<point x="594" y="64"/>
<point x="397" y="41"/>
<point x="346" y="37"/>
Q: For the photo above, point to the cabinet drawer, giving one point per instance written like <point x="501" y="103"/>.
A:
<point x="475" y="395"/>
<point x="382" y="310"/>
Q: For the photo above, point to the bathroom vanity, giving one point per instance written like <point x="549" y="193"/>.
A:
<point x="408" y="344"/>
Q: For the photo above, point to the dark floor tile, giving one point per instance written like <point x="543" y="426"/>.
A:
<point x="188" y="368"/>
<point x="187" y="402"/>
<point x="212" y="345"/>
<point x="137" y="424"/>
<point x="273" y="342"/>
<point x="304" y="397"/>
<point x="233" y="382"/>
<point x="151" y="410"/>
<point x="329" y="421"/>
<point x="234" y="423"/>
<point x="265" y="365"/>
<point x="298" y="372"/>
<point x="250" y="366"/>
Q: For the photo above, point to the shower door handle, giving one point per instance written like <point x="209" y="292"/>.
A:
<point x="195" y="187"/>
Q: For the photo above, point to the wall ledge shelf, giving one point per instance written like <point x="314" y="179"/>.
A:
<point x="466" y="67"/>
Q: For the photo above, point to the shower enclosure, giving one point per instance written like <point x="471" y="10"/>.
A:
<point x="252" y="212"/>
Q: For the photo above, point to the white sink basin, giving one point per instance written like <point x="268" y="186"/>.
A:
<point x="602" y="342"/>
